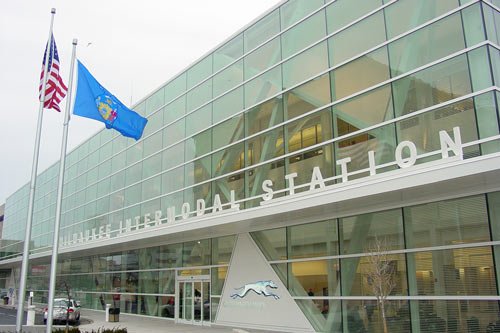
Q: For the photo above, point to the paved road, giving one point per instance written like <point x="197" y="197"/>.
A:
<point x="8" y="317"/>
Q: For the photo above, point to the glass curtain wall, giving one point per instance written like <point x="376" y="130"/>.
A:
<point x="138" y="281"/>
<point x="439" y="267"/>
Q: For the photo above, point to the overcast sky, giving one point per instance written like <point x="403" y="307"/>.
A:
<point x="135" y="46"/>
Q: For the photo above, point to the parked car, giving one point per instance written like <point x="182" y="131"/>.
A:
<point x="61" y="309"/>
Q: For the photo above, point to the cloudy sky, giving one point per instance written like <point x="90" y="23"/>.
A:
<point x="130" y="46"/>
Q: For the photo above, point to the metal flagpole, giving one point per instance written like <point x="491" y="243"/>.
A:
<point x="55" y="243"/>
<point x="27" y="236"/>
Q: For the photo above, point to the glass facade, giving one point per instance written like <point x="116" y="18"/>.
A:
<point x="310" y="83"/>
<point x="443" y="269"/>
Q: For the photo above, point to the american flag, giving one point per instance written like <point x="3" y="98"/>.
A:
<point x="55" y="90"/>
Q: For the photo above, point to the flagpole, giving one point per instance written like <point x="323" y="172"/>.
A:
<point x="55" y="243"/>
<point x="27" y="236"/>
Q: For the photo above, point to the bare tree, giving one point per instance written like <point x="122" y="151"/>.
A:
<point x="381" y="274"/>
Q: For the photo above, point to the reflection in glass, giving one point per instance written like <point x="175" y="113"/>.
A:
<point x="448" y="222"/>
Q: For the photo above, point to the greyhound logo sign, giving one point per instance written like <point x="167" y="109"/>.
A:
<point x="260" y="288"/>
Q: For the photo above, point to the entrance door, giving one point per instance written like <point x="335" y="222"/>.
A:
<point x="194" y="302"/>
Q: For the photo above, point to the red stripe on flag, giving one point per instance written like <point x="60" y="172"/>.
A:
<point x="55" y="89"/>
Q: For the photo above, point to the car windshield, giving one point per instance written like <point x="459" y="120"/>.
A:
<point x="61" y="303"/>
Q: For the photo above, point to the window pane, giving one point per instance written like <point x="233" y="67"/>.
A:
<point x="196" y="253"/>
<point x="228" y="105"/>
<point x="367" y="34"/>
<point x="313" y="240"/>
<point x="155" y="101"/>
<point x="454" y="316"/>
<point x="222" y="248"/>
<point x="227" y="132"/>
<point x="262" y="58"/>
<point x="358" y="233"/>
<point x="198" y="145"/>
<point x="426" y="45"/>
<point x="262" y="30"/>
<point x="199" y="95"/>
<point x="218" y="279"/>
<point x="228" y="160"/>
<point x="434" y="85"/>
<point x="447" y="222"/>
<point x="151" y="166"/>
<point x="263" y="116"/>
<point x="314" y="278"/>
<point x="151" y="188"/>
<point x="155" y="121"/>
<point x="174" y="110"/>
<point x="174" y="132"/>
<point x="305" y="65"/>
<point x="366" y="315"/>
<point x="198" y="120"/>
<point x="343" y="12"/>
<point x="173" y="180"/>
<point x="265" y="146"/>
<point x="167" y="284"/>
<point x="198" y="171"/>
<point x="452" y="272"/>
<point x="307" y="97"/>
<point x="199" y="71"/>
<point x="262" y="87"/>
<point x="228" y="78"/>
<point x="229" y="52"/>
<point x="153" y="144"/>
<point x="294" y="10"/>
<point x="170" y="256"/>
<point x="133" y="194"/>
<point x="173" y="156"/>
<point x="303" y="34"/>
<point x="309" y="131"/>
<point x="133" y="174"/>
<point x="365" y="110"/>
<point x="272" y="243"/>
<point x="357" y="274"/>
<point x="176" y="87"/>
<point x="405" y="15"/>
<point x="373" y="68"/>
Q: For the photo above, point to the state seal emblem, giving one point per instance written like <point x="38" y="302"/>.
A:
<point x="107" y="109"/>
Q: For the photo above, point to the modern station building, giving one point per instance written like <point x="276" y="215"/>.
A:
<point x="279" y="172"/>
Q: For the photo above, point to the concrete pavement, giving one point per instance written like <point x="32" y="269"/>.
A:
<point x="140" y="324"/>
<point x="93" y="320"/>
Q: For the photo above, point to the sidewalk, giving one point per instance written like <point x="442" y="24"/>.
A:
<point x="137" y="324"/>
<point x="93" y="320"/>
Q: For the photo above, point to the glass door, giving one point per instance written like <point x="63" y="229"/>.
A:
<point x="194" y="302"/>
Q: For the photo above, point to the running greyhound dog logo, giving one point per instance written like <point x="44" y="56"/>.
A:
<point x="260" y="288"/>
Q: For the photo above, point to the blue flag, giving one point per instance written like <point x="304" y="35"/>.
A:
<point x="96" y="102"/>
